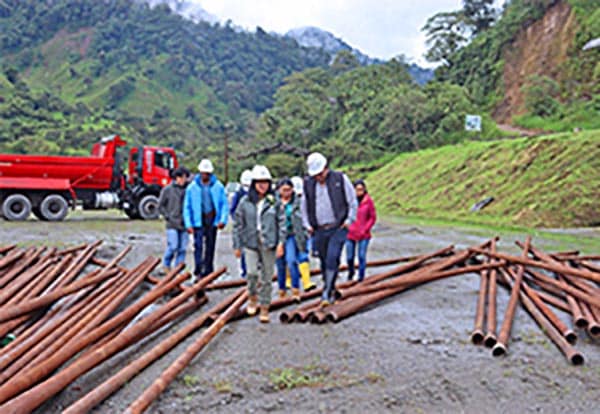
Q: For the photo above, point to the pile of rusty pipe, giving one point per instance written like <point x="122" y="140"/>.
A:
<point x="560" y="326"/>
<point x="38" y="394"/>
<point x="32" y="290"/>
<point x="7" y="313"/>
<point x="112" y="384"/>
<point x="57" y="338"/>
<point x="116" y="293"/>
<point x="151" y="393"/>
<point x="525" y="261"/>
<point x="227" y="284"/>
<point x="572" y="355"/>
<point x="504" y="334"/>
<point x="415" y="278"/>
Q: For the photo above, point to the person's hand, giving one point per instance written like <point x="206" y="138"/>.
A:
<point x="280" y="251"/>
<point x="221" y="226"/>
<point x="310" y="231"/>
<point x="345" y="226"/>
<point x="237" y="253"/>
<point x="190" y="230"/>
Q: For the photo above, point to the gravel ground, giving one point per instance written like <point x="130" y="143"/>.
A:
<point x="409" y="354"/>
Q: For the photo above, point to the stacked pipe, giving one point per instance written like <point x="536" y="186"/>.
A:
<point x="62" y="313"/>
<point x="542" y="283"/>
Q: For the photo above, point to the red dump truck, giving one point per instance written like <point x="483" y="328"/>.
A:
<point x="48" y="185"/>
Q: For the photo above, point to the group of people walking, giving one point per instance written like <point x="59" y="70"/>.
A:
<point x="274" y="227"/>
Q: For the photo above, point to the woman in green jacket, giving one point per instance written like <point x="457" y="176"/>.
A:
<point x="256" y="232"/>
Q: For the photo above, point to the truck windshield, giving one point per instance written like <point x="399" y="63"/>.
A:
<point x="164" y="160"/>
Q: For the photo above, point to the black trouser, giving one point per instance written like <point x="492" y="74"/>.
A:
<point x="329" y="243"/>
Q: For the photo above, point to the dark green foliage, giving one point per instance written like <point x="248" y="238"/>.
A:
<point x="540" y="95"/>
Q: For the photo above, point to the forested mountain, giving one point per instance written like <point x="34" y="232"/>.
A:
<point x="123" y="67"/>
<point x="529" y="67"/>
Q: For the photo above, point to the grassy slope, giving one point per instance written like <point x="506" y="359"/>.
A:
<point x="551" y="181"/>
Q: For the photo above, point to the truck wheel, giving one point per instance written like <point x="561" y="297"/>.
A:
<point x="54" y="207"/>
<point x="148" y="207"/>
<point x="16" y="207"/>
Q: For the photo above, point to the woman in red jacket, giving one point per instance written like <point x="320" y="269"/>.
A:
<point x="359" y="233"/>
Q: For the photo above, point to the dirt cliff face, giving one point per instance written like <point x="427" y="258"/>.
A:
<point x="540" y="49"/>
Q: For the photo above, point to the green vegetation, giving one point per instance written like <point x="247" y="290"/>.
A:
<point x="359" y="114"/>
<point x="74" y="70"/>
<point x="551" y="181"/>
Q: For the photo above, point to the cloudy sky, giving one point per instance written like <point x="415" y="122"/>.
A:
<point x="379" y="28"/>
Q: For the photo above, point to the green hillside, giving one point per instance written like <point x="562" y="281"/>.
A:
<point x="122" y="67"/>
<point x="551" y="181"/>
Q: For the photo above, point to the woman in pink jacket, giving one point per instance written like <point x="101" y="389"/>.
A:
<point x="359" y="233"/>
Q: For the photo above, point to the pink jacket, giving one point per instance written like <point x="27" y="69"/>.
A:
<point x="365" y="219"/>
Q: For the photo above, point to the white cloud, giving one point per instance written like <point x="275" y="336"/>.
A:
<point x="380" y="28"/>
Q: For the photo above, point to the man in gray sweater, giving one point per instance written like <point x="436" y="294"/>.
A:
<point x="329" y="207"/>
<point x="170" y="206"/>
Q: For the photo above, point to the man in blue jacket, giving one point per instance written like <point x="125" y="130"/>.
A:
<point x="205" y="210"/>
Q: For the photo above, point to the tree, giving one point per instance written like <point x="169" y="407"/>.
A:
<point x="480" y="14"/>
<point x="446" y="33"/>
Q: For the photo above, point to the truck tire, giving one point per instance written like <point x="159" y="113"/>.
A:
<point x="16" y="207"/>
<point x="54" y="207"/>
<point x="148" y="208"/>
<point x="132" y="213"/>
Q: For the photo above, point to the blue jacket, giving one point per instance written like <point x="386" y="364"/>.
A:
<point x="236" y="200"/>
<point x="192" y="202"/>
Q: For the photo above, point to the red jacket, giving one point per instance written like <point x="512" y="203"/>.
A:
<point x="365" y="219"/>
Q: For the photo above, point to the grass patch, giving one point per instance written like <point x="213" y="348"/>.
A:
<point x="551" y="181"/>
<point x="290" y="377"/>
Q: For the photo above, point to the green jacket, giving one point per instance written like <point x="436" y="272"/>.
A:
<point x="297" y="227"/>
<point x="245" y="232"/>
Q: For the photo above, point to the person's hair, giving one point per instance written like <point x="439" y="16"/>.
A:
<point x="361" y="182"/>
<point x="285" y="181"/>
<point x="180" y="172"/>
<point x="253" y="194"/>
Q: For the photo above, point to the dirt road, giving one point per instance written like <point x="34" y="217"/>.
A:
<point x="410" y="354"/>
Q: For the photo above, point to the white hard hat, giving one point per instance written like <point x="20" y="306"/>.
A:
<point x="206" y="166"/>
<point x="261" y="173"/>
<point x="316" y="163"/>
<point x="246" y="178"/>
<point x="298" y="185"/>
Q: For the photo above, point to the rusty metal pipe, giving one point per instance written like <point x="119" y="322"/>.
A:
<point x="117" y="293"/>
<point x="524" y="261"/>
<point x="563" y="286"/>
<point x="560" y="326"/>
<point x="43" y="301"/>
<point x="227" y="284"/>
<point x="554" y="301"/>
<point x="36" y="395"/>
<point x="414" y="278"/>
<point x="6" y="249"/>
<point x="579" y="319"/>
<point x="17" y="270"/>
<point x="503" y="337"/>
<point x="112" y="384"/>
<point x="477" y="336"/>
<point x="489" y="339"/>
<point x="572" y="355"/>
<point x="593" y="327"/>
<point x="30" y="291"/>
<point x="348" y="307"/>
<point x="143" y="402"/>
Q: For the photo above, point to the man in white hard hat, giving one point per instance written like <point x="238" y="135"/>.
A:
<point x="245" y="181"/>
<point x="328" y="209"/>
<point x="205" y="209"/>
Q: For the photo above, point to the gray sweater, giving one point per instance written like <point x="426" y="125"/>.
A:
<point x="170" y="206"/>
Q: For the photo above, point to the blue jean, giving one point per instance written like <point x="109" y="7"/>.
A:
<point x="351" y="246"/>
<point x="303" y="256"/>
<point x="205" y="240"/>
<point x="177" y="241"/>
<point x="291" y="260"/>
<point x="243" y="269"/>
<point x="329" y="244"/>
